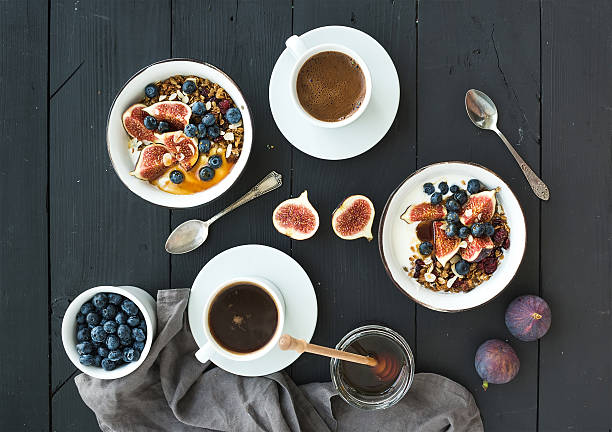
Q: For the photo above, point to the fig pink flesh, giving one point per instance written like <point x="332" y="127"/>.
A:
<point x="353" y="219"/>
<point x="296" y="217"/>
<point x="133" y="122"/>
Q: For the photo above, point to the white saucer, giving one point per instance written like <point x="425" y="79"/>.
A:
<point x="357" y="137"/>
<point x="286" y="274"/>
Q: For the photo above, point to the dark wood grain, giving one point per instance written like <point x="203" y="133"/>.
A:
<point x="101" y="234"/>
<point x="24" y="367"/>
<point x="494" y="47"/>
<point x="575" y="391"/>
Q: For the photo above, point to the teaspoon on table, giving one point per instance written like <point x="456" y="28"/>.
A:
<point x="483" y="113"/>
<point x="191" y="234"/>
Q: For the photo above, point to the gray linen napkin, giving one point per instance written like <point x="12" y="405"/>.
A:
<point x="172" y="391"/>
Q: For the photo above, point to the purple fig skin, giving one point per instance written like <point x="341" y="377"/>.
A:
<point x="528" y="318"/>
<point x="496" y="362"/>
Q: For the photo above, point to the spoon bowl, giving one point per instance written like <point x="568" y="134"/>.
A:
<point x="187" y="236"/>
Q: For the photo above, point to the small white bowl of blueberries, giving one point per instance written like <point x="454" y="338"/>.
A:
<point x="108" y="331"/>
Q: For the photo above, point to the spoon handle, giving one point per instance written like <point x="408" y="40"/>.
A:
<point x="288" y="342"/>
<point x="538" y="186"/>
<point x="270" y="182"/>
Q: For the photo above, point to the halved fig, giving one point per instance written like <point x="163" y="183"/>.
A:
<point x="478" y="248"/>
<point x="296" y="218"/>
<point x="183" y="148"/>
<point x="353" y="218"/>
<point x="479" y="207"/>
<point x="177" y="114"/>
<point x="424" y="212"/>
<point x="154" y="159"/>
<point x="444" y="247"/>
<point x="133" y="122"/>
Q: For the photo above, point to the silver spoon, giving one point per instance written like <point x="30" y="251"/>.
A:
<point x="483" y="113"/>
<point x="191" y="234"/>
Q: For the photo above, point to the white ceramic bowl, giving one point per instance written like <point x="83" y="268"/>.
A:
<point x="394" y="235"/>
<point x="140" y="297"/>
<point x="117" y="138"/>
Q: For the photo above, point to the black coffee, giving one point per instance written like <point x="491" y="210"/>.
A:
<point x="243" y="318"/>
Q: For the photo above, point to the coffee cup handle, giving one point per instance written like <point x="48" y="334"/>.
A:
<point x="296" y="46"/>
<point x="203" y="354"/>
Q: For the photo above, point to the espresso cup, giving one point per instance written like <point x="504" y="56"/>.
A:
<point x="301" y="52"/>
<point x="212" y="346"/>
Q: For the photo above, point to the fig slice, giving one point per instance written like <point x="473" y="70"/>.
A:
<point x="477" y="249"/>
<point x="183" y="148"/>
<point x="133" y="122"/>
<point x="424" y="212"/>
<point x="444" y="247"/>
<point x="296" y="218"/>
<point x="353" y="218"/>
<point x="177" y="114"/>
<point x="153" y="161"/>
<point x="479" y="207"/>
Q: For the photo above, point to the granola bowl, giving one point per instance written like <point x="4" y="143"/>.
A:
<point x="178" y="159"/>
<point x="457" y="270"/>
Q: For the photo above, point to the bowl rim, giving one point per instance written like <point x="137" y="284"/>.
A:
<point x="87" y="295"/>
<point x="171" y="60"/>
<point x="383" y="218"/>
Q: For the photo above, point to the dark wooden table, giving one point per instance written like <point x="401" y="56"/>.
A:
<point x="69" y="224"/>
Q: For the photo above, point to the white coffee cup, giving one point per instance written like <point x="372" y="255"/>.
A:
<point x="302" y="53"/>
<point x="204" y="353"/>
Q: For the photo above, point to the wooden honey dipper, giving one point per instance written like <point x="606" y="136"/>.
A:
<point x="385" y="367"/>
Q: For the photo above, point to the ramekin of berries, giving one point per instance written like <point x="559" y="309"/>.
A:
<point x="107" y="331"/>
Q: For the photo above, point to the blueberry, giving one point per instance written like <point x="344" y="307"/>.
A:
<point x="473" y="186"/>
<point x="215" y="161"/>
<point x="233" y="115"/>
<point x="201" y="131"/>
<point x="188" y="87"/>
<point x="110" y="327"/>
<point x="429" y="188"/>
<point x="462" y="267"/>
<point x="98" y="334"/>
<point x="87" y="359"/>
<point x="206" y="173"/>
<point x="84" y="348"/>
<point x="208" y="119"/>
<point x="163" y="127"/>
<point x="177" y="177"/>
<point x="121" y="318"/>
<point x="138" y="334"/>
<point x="129" y="307"/>
<point x="452" y="230"/>
<point x="109" y="312"/>
<point x="103" y="351"/>
<point x="460" y="196"/>
<point x="425" y="248"/>
<point x="82" y="326"/>
<point x="452" y="205"/>
<point x="115" y="299"/>
<point x="130" y="355"/>
<point x="100" y="300"/>
<point x="464" y="232"/>
<point x="436" y="198"/>
<point x="143" y="324"/>
<point x="115" y="355"/>
<point x="80" y="319"/>
<point x="139" y="345"/>
<point x="123" y="331"/>
<point x="150" y="122"/>
<point x="478" y="230"/>
<point x="454" y="188"/>
<point x="133" y="321"/>
<point x="443" y="187"/>
<point x="108" y="365"/>
<point x="93" y="319"/>
<point x="97" y="360"/>
<point x="198" y="108"/>
<point x="86" y="308"/>
<point x="213" y="131"/>
<point x="204" y="145"/>
<point x="151" y="90"/>
<point x="112" y="342"/>
<point x="452" y="217"/>
<point x="191" y="130"/>
<point x="489" y="230"/>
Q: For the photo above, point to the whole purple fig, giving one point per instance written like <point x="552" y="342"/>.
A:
<point x="496" y="362"/>
<point x="528" y="318"/>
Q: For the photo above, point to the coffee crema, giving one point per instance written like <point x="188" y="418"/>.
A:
<point x="330" y="86"/>
<point x="243" y="318"/>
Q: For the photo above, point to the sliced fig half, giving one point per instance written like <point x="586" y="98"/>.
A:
<point x="177" y="114"/>
<point x="154" y="159"/>
<point x="353" y="218"/>
<point x="296" y="218"/>
<point x="478" y="248"/>
<point x="133" y="122"/>
<point x="479" y="207"/>
<point x="183" y="148"/>
<point x="444" y="247"/>
<point x="424" y="212"/>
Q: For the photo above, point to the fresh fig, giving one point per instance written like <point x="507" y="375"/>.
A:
<point x="478" y="248"/>
<point x="353" y="218"/>
<point x="133" y="122"/>
<point x="528" y="317"/>
<point x="479" y="207"/>
<point x="154" y="159"/>
<point x="444" y="247"/>
<point x="183" y="148"/>
<point x="424" y="212"/>
<point x="296" y="218"/>
<point x="177" y="114"/>
<point x="496" y="362"/>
